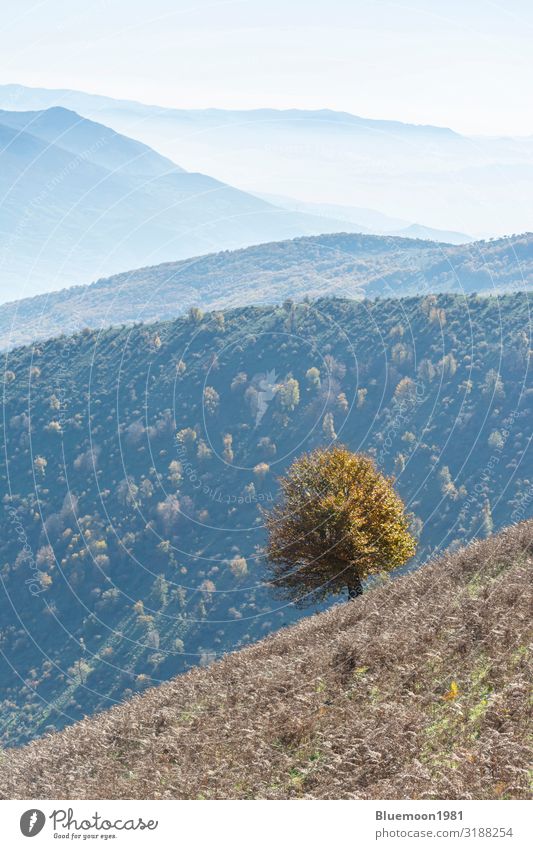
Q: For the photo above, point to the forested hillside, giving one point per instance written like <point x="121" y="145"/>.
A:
<point x="342" y="264"/>
<point x="426" y="174"/>
<point x="131" y="540"/>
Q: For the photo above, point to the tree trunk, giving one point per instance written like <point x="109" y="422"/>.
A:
<point x="355" y="587"/>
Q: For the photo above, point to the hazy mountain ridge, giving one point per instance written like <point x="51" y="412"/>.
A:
<point x="418" y="690"/>
<point x="344" y="264"/>
<point x="424" y="174"/>
<point x="371" y="221"/>
<point x="17" y="96"/>
<point x="93" y="141"/>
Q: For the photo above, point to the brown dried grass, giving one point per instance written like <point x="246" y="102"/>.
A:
<point x="420" y="689"/>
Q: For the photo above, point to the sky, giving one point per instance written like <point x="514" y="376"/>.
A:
<point x="466" y="65"/>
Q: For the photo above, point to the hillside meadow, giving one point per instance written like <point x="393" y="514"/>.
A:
<point x="136" y="460"/>
<point x="419" y="690"/>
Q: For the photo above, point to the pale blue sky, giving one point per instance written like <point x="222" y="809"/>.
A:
<point x="468" y="65"/>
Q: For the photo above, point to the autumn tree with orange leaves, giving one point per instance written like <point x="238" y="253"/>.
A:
<point x="338" y="521"/>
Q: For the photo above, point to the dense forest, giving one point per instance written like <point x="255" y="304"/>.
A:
<point x="341" y="264"/>
<point x="138" y="459"/>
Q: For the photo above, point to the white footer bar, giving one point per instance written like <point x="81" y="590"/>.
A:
<point x="272" y="825"/>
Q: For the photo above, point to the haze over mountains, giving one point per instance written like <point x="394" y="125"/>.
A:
<point x="147" y="415"/>
<point x="356" y="703"/>
<point x="347" y="265"/>
<point x="370" y="220"/>
<point x="430" y="176"/>
<point x="79" y="201"/>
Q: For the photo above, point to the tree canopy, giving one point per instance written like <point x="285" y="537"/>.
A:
<point x="338" y="521"/>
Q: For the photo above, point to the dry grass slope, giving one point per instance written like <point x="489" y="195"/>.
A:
<point x="421" y="689"/>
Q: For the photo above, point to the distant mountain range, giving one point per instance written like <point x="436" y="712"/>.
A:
<point x="360" y="702"/>
<point x="79" y="201"/>
<point x="336" y="264"/>
<point x="429" y="175"/>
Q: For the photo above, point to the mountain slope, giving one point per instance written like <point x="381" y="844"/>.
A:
<point x="420" y="689"/>
<point x="425" y="174"/>
<point x="78" y="201"/>
<point x="134" y="461"/>
<point x="336" y="264"/>
<point x="94" y="142"/>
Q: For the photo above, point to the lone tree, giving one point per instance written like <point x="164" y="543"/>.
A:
<point x="338" y="521"/>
